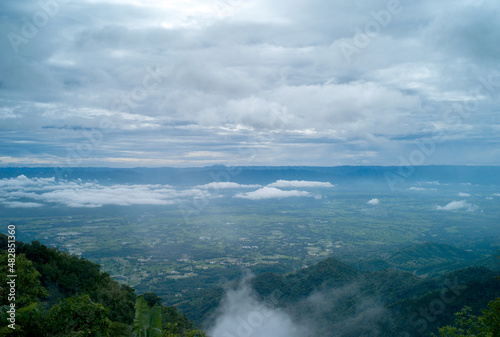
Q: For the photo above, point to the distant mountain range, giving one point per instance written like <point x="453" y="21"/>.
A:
<point x="427" y="259"/>
<point x="488" y="175"/>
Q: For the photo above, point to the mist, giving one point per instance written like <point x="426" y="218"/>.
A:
<point x="336" y="312"/>
<point x="241" y="314"/>
<point x="341" y="312"/>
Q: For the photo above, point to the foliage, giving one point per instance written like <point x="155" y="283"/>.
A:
<point x="152" y="299"/>
<point x="28" y="320"/>
<point x="147" y="322"/>
<point x="27" y="281"/>
<point x="118" y="329"/>
<point x="161" y="321"/>
<point x="65" y="275"/>
<point x="468" y="325"/>
<point x="77" y="316"/>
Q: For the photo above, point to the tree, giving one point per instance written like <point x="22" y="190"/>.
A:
<point x="152" y="299"/>
<point x="77" y="316"/>
<point x="28" y="321"/>
<point x="148" y="322"/>
<point x="26" y="282"/>
<point x="24" y="295"/>
<point x="468" y="325"/>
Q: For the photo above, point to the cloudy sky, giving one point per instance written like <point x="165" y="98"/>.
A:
<point x="249" y="82"/>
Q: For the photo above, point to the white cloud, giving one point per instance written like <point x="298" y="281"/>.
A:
<point x="241" y="314"/>
<point x="114" y="195"/>
<point x="421" y="189"/>
<point x="299" y="184"/>
<point x="225" y="185"/>
<point x="496" y="194"/>
<point x="463" y="195"/>
<point x="233" y="67"/>
<point x="18" y="204"/>
<point x="31" y="192"/>
<point x="456" y="205"/>
<point x="373" y="202"/>
<point x="271" y="193"/>
<point x="22" y="180"/>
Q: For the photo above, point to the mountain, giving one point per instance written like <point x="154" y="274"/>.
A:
<point x="330" y="297"/>
<point x="421" y="316"/>
<point x="492" y="262"/>
<point x="350" y="175"/>
<point x="430" y="259"/>
<point x="329" y="273"/>
<point x="59" y="294"/>
<point x="334" y="298"/>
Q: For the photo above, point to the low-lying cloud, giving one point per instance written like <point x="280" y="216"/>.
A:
<point x="272" y="193"/>
<point x="373" y="202"/>
<point x="224" y="185"/>
<point x="18" y="204"/>
<point x="242" y="315"/>
<point x="457" y="205"/>
<point x="24" y="192"/>
<point x="299" y="184"/>
<point x="421" y="189"/>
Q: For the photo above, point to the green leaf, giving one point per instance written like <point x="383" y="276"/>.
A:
<point x="155" y="314"/>
<point x="28" y="308"/>
<point x="141" y="321"/>
<point x="155" y="322"/>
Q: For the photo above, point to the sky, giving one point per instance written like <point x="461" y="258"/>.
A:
<point x="249" y="82"/>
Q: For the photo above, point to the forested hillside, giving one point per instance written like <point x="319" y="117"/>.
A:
<point x="333" y="298"/>
<point x="58" y="294"/>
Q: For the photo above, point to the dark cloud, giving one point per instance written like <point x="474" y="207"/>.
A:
<point x="212" y="80"/>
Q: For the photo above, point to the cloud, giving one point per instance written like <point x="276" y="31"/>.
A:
<point x="16" y="192"/>
<point x="22" y="181"/>
<point x="421" y="189"/>
<point x="241" y="314"/>
<point x="320" y="310"/>
<point x="195" y="83"/>
<point x="457" y="205"/>
<point x="224" y="185"/>
<point x="461" y="194"/>
<point x="271" y="193"/>
<point x="299" y="184"/>
<point x="18" y="204"/>
<point x="373" y="202"/>
<point x="432" y="182"/>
